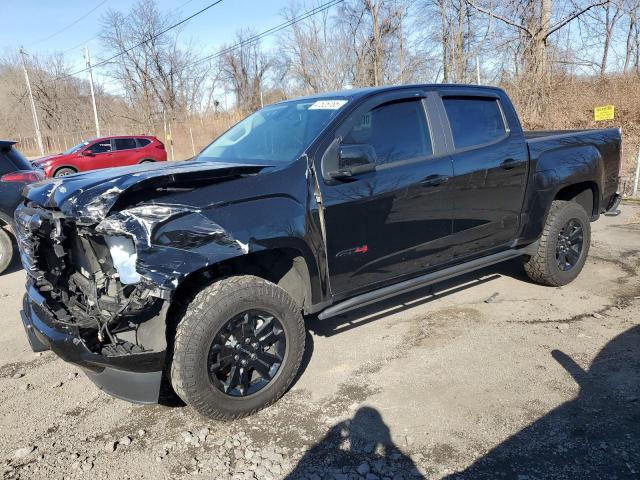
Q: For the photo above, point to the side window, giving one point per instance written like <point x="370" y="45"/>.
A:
<point x="397" y="131"/>
<point x="11" y="160"/>
<point x="100" y="147"/>
<point x="125" y="143"/>
<point x="6" y="165"/>
<point x="143" y="142"/>
<point x="474" y="120"/>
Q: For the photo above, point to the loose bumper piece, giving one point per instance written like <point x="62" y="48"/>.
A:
<point x="134" y="377"/>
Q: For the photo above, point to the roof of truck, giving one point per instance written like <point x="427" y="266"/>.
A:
<point x="362" y="92"/>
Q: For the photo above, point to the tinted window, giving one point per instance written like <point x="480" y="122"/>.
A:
<point x="143" y="142"/>
<point x="11" y="160"/>
<point x="275" y="134"/>
<point x="397" y="131"/>
<point x="125" y="143"/>
<point x="100" y="147"/>
<point x="474" y="121"/>
<point x="6" y="165"/>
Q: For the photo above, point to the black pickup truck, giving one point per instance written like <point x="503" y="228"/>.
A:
<point x="200" y="273"/>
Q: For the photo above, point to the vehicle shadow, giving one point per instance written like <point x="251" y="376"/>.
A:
<point x="370" y="313"/>
<point x="358" y="446"/>
<point x="596" y="435"/>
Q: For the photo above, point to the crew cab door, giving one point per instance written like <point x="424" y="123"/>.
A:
<point x="395" y="219"/>
<point x="490" y="164"/>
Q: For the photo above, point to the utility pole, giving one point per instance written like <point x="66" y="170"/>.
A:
<point x="93" y="95"/>
<point x="36" y="124"/>
<point x="636" y="176"/>
<point x="193" y="145"/>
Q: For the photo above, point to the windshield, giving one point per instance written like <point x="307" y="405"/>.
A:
<point x="276" y="134"/>
<point x="75" y="148"/>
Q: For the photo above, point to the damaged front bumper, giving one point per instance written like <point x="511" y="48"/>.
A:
<point x="135" y="377"/>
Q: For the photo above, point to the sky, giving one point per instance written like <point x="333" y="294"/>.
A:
<point x="46" y="26"/>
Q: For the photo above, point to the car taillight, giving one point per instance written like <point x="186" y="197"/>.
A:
<point x="160" y="146"/>
<point x="23" y="176"/>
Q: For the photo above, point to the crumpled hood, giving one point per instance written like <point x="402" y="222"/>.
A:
<point x="90" y="196"/>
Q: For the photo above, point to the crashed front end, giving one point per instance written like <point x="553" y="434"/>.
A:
<point x="85" y="302"/>
<point x="100" y="280"/>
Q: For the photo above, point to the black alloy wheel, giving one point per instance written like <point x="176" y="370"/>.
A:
<point x="569" y="245"/>
<point x="246" y="354"/>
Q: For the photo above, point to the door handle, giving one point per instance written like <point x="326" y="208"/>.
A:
<point x="509" y="163"/>
<point x="434" y="180"/>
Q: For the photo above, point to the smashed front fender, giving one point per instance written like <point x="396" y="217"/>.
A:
<point x="171" y="241"/>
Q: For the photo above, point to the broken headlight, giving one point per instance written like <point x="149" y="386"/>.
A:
<point x="123" y="257"/>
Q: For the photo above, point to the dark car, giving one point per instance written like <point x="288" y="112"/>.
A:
<point x="200" y="273"/>
<point x="15" y="173"/>
<point x="105" y="152"/>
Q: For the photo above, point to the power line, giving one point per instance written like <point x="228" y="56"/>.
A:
<point x="254" y="38"/>
<point x="270" y="31"/>
<point x="261" y="35"/>
<point x="143" y="42"/>
<point x="83" y="43"/>
<point x="68" y="26"/>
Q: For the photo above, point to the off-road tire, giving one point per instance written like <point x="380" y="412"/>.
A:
<point x="204" y="317"/>
<point x="542" y="267"/>
<point x="6" y="250"/>
<point x="64" y="171"/>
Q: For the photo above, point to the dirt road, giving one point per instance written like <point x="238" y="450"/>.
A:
<point x="485" y="376"/>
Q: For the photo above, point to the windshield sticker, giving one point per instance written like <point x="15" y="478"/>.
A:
<point x="327" y="104"/>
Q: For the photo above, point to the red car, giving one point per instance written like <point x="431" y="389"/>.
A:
<point x="103" y="152"/>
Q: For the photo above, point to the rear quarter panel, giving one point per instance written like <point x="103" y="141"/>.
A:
<point x="561" y="159"/>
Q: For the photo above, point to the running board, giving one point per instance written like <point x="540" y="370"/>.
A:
<point x="423" y="281"/>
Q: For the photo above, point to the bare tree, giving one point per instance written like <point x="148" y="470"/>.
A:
<point x="154" y="72"/>
<point x="533" y="21"/>
<point x="375" y="27"/>
<point x="315" y="54"/>
<point x="244" y="66"/>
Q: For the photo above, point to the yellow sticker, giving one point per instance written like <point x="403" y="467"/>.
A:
<point x="604" y="113"/>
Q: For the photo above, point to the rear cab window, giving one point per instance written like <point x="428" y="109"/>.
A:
<point x="474" y="121"/>
<point x="143" y="142"/>
<point x="397" y="131"/>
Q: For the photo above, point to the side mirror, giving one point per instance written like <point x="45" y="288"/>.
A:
<point x="88" y="153"/>
<point x="354" y="159"/>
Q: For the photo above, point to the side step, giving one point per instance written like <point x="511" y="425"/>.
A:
<point x="423" y="281"/>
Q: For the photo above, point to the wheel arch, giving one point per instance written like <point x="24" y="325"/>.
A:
<point x="287" y="267"/>
<point x="586" y="194"/>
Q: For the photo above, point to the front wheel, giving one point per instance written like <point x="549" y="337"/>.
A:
<point x="238" y="347"/>
<point x="63" y="172"/>
<point x="563" y="246"/>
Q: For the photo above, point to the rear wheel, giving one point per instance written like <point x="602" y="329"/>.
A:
<point x="147" y="161"/>
<point x="563" y="246"/>
<point x="6" y="250"/>
<point x="64" y="171"/>
<point x="237" y="348"/>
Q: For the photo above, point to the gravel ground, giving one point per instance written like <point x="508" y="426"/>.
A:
<point x="485" y="376"/>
